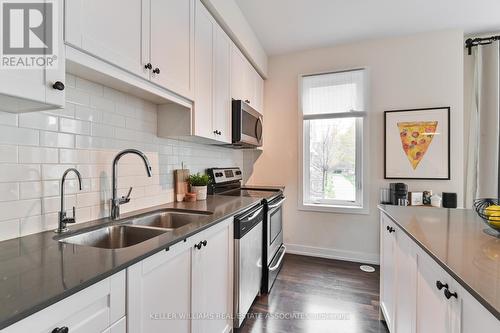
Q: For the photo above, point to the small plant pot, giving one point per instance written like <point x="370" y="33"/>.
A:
<point x="201" y="192"/>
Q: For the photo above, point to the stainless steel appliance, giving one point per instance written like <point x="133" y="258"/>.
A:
<point x="247" y="260"/>
<point x="273" y="250"/>
<point x="247" y="125"/>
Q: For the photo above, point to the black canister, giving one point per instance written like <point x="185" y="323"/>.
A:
<point x="449" y="200"/>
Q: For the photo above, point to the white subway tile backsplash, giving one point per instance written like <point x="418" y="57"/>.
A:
<point x="113" y="119"/>
<point x="102" y="130"/>
<point x="19" y="209"/>
<point x="30" y="190"/>
<point x="38" y="120"/>
<point x="8" y="154"/>
<point x="9" y="229"/>
<point x="61" y="140"/>
<point x="38" y="155"/>
<point x="55" y="171"/>
<point x="53" y="204"/>
<point x="34" y="224"/>
<point x="98" y="122"/>
<point x="89" y="86"/>
<point x="18" y="136"/>
<point x="72" y="156"/>
<point x="74" y="126"/>
<point x="9" y="191"/>
<point x="102" y="103"/>
<point x="87" y="113"/>
<point x="19" y="172"/>
<point x="7" y="118"/>
<point x="77" y="96"/>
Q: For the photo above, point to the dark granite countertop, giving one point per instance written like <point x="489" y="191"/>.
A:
<point x="457" y="241"/>
<point x="38" y="270"/>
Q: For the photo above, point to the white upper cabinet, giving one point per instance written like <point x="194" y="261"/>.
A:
<point x="149" y="38"/>
<point x="222" y="86"/>
<point x="212" y="102"/>
<point x="112" y="30"/>
<point x="35" y="89"/>
<point x="203" y="69"/>
<point x="172" y="24"/>
<point x="246" y="83"/>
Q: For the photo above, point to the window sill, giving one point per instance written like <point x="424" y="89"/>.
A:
<point x="334" y="209"/>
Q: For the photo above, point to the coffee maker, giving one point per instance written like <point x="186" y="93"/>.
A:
<point x="399" y="193"/>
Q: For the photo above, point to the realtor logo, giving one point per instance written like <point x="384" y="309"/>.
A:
<point x="29" y="33"/>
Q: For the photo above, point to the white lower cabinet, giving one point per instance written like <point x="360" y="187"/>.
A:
<point x="119" y="327"/>
<point x="159" y="291"/>
<point x="418" y="296"/>
<point x="434" y="312"/>
<point x="212" y="278"/>
<point x="185" y="289"/>
<point x="387" y="270"/>
<point x="92" y="310"/>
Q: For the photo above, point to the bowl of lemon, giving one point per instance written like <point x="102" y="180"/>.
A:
<point x="489" y="210"/>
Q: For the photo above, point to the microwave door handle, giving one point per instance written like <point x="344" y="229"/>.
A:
<point x="277" y="204"/>
<point x="257" y="136"/>
<point x="254" y="215"/>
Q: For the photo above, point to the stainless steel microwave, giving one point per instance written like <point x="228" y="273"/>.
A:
<point x="247" y="125"/>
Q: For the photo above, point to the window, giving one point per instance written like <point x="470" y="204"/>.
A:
<point x="333" y="113"/>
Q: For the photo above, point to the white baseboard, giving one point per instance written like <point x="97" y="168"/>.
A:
<point x="312" y="251"/>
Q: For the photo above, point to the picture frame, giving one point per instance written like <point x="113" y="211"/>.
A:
<point x="416" y="198"/>
<point x="417" y="144"/>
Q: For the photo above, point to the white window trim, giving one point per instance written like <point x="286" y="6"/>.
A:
<point x="362" y="135"/>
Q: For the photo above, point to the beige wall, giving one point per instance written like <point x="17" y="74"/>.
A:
<point x="423" y="70"/>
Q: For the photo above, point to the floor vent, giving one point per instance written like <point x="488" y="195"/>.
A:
<point x="366" y="268"/>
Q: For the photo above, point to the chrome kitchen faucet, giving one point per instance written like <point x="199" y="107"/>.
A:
<point x="63" y="219"/>
<point x="115" y="201"/>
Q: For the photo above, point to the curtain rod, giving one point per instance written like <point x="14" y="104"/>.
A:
<point x="471" y="42"/>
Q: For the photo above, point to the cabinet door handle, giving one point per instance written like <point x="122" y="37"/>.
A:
<point x="204" y="243"/>
<point x="441" y="285"/>
<point x="148" y="66"/>
<point x="156" y="70"/>
<point x="199" y="245"/>
<point x="448" y="294"/>
<point x="63" y="329"/>
<point x="387" y="228"/>
<point x="58" y="85"/>
<point x="391" y="230"/>
<point x="247" y="101"/>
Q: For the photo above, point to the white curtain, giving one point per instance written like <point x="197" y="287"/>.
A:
<point x="483" y="122"/>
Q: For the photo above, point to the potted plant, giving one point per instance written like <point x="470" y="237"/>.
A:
<point x="199" y="184"/>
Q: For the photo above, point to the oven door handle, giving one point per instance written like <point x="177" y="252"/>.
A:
<point x="275" y="267"/>
<point x="254" y="215"/>
<point x="277" y="204"/>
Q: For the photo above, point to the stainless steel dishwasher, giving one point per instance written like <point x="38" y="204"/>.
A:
<point x="247" y="260"/>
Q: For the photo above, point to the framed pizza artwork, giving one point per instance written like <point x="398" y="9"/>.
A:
<point x="417" y="143"/>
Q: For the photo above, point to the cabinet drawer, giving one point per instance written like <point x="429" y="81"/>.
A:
<point x="91" y="310"/>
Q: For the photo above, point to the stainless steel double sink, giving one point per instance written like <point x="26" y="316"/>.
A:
<point x="136" y="229"/>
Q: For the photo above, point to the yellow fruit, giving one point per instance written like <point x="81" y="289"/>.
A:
<point x="494" y="219"/>
<point x="492" y="209"/>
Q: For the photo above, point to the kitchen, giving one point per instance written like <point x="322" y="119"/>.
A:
<point x="230" y="165"/>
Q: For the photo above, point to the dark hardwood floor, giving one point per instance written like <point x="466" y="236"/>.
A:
<point x="318" y="295"/>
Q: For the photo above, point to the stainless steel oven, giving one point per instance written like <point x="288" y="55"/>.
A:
<point x="274" y="249"/>
<point x="247" y="125"/>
